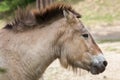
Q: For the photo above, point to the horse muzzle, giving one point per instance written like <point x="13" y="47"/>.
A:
<point x="98" y="64"/>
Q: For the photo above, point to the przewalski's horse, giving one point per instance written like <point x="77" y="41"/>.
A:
<point x="36" y="38"/>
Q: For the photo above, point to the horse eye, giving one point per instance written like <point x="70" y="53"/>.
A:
<point x="85" y="35"/>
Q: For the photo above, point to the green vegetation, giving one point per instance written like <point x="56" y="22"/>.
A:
<point x="111" y="49"/>
<point x="110" y="41"/>
<point x="98" y="12"/>
<point x="94" y="12"/>
<point x="2" y="70"/>
<point x="110" y="45"/>
<point x="9" y="5"/>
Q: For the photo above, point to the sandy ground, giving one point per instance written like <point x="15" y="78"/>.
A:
<point x="112" y="54"/>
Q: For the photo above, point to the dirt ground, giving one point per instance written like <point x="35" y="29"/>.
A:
<point x="111" y="51"/>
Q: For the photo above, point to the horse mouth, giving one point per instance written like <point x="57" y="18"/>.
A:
<point x="97" y="70"/>
<point x="94" y="68"/>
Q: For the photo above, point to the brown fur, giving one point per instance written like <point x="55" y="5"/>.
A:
<point x="27" y="19"/>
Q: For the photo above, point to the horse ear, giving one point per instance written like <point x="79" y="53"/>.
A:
<point x="71" y="14"/>
<point x="65" y="13"/>
<point x="68" y="15"/>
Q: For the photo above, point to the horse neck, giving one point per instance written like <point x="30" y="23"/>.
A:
<point x="31" y="52"/>
<point x="47" y="50"/>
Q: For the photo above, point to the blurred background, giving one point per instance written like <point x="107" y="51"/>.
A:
<point x="101" y="17"/>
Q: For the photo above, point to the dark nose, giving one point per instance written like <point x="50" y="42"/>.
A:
<point x="105" y="63"/>
<point x="99" y="67"/>
<point x="100" y="64"/>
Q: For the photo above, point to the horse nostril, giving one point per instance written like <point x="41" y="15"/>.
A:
<point x="105" y="63"/>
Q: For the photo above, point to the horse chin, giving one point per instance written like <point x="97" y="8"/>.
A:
<point x="95" y="71"/>
<point x="90" y="68"/>
<point x="82" y="66"/>
<point x="92" y="71"/>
